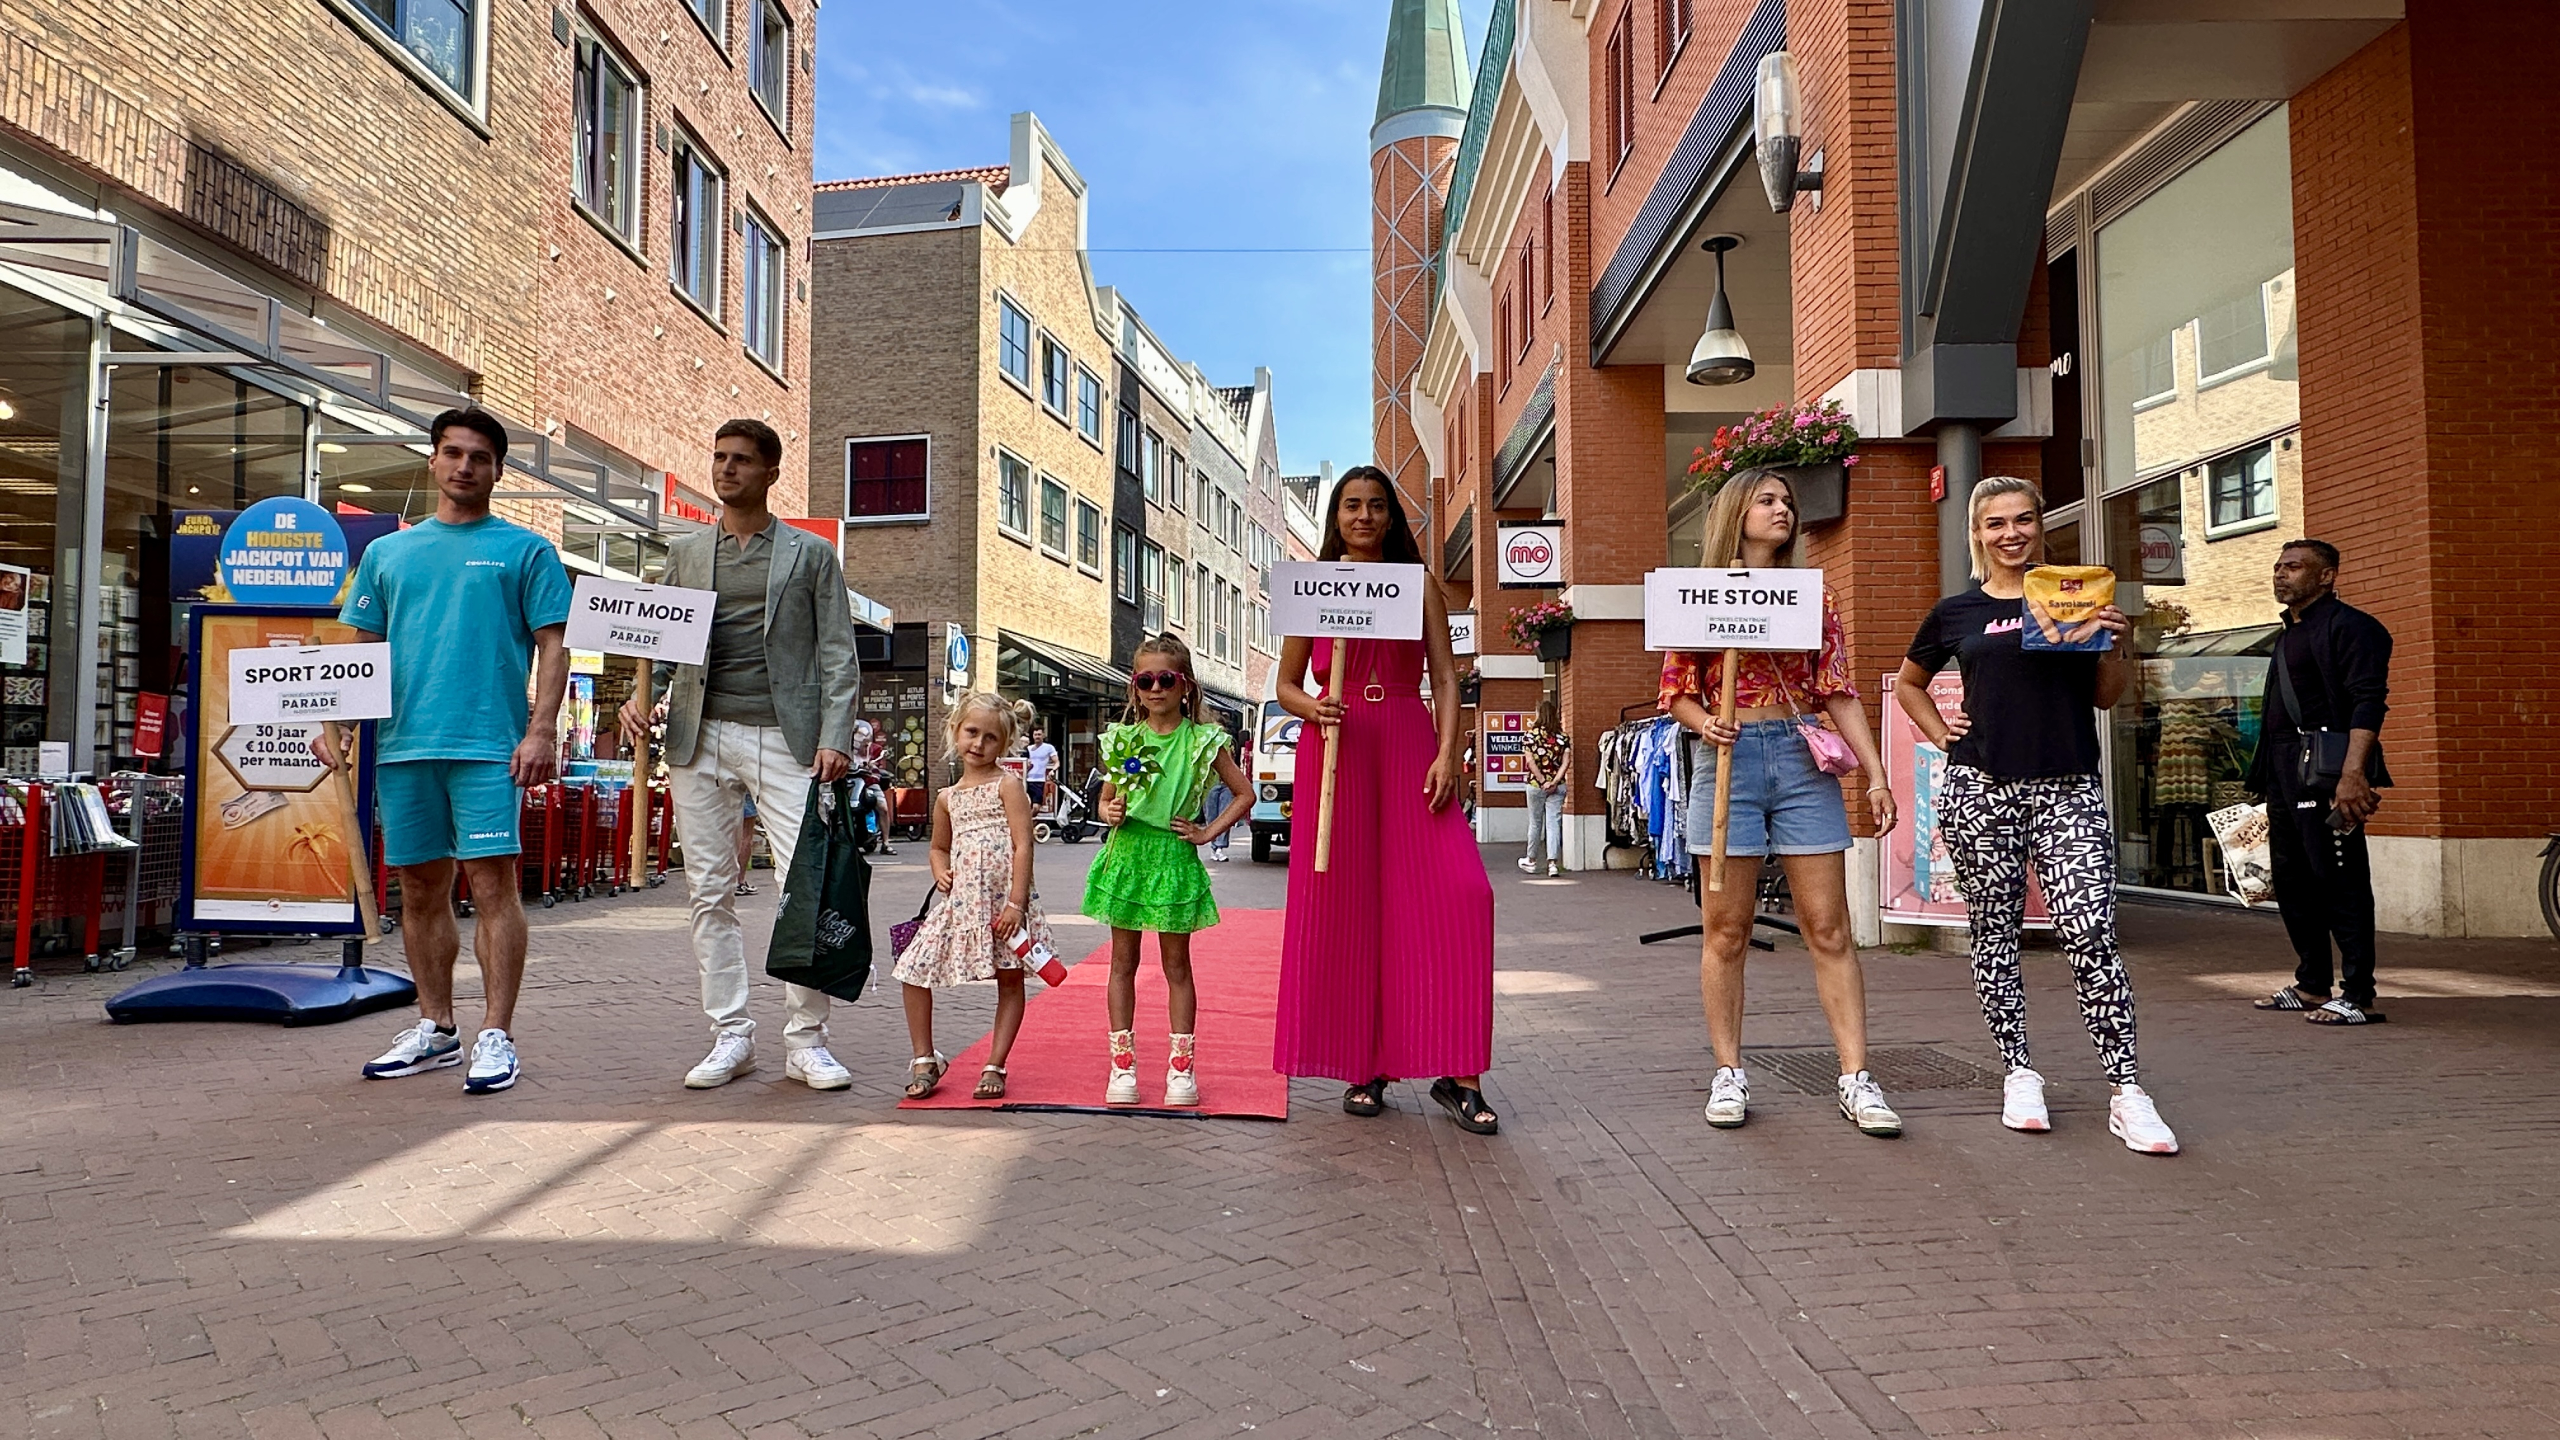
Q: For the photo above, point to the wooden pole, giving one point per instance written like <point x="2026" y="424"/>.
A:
<point x="1724" y="770"/>
<point x="344" y="740"/>
<point x="1335" y="688"/>
<point x="640" y="790"/>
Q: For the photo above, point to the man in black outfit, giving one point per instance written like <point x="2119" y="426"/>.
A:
<point x="2330" y="672"/>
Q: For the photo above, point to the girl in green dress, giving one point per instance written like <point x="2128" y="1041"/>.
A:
<point x="1149" y="876"/>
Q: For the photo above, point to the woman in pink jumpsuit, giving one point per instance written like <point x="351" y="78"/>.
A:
<point x="1386" y="966"/>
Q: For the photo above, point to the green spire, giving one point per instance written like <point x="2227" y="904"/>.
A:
<point x="1426" y="65"/>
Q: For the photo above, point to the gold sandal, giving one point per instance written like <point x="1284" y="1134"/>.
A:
<point x="924" y="1073"/>
<point x="990" y="1084"/>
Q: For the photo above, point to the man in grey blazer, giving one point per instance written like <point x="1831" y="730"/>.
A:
<point x="770" y="708"/>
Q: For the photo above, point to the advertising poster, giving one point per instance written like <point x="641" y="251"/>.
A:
<point x="268" y="838"/>
<point x="1917" y="881"/>
<point x="16" y="585"/>
<point x="195" y="550"/>
<point x="895" y="706"/>
<point x="1504" y="756"/>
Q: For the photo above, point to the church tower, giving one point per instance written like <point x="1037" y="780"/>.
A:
<point x="1422" y="108"/>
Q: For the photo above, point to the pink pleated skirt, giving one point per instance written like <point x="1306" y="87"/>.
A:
<point x="1386" y="964"/>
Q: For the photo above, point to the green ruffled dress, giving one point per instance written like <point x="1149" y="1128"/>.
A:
<point x="1147" y="877"/>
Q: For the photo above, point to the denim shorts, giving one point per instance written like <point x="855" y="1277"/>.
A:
<point x="446" y="810"/>
<point x="1782" y="802"/>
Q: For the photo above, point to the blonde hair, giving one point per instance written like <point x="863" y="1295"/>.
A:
<point x="1986" y="490"/>
<point x="1013" y="717"/>
<point x="1722" y="542"/>
<point x="1179" y="654"/>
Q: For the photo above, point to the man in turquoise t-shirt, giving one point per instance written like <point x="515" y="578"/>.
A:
<point x="467" y="601"/>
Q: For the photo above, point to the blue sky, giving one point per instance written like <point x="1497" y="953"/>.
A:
<point x="1207" y="125"/>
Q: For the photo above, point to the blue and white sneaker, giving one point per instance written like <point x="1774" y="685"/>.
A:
<point x="420" y="1048"/>
<point x="493" y="1064"/>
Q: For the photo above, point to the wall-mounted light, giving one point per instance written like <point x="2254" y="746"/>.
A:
<point x="1721" y="356"/>
<point x="1778" y="135"/>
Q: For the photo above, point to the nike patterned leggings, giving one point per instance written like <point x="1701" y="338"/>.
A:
<point x="1994" y="829"/>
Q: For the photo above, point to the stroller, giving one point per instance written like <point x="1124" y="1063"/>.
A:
<point x="1073" y="819"/>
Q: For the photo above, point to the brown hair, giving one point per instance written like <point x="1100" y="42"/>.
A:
<point x="1722" y="541"/>
<point x="1178" y="658"/>
<point x="756" y="432"/>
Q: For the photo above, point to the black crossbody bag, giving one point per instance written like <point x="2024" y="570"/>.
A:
<point x="2319" y="757"/>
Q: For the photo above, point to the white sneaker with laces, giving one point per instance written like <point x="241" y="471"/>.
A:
<point x="817" y="1069"/>
<point x="1181" y="1087"/>
<point x="1728" y="1097"/>
<point x="493" y="1064"/>
<point x="1123" y="1089"/>
<point x="2022" y="1102"/>
<point x="731" y="1056"/>
<point x="1862" y="1100"/>
<point x="420" y="1048"/>
<point x="2133" y="1119"/>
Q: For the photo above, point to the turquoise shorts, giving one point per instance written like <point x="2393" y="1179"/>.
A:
<point x="446" y="810"/>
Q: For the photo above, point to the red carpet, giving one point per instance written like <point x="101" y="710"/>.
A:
<point x="1062" y="1058"/>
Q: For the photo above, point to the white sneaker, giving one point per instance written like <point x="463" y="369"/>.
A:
<point x="1727" y="1097"/>
<point x="1123" y="1089"/>
<point x="1528" y="866"/>
<point x="2022" y="1102"/>
<point x="1181" y="1087"/>
<point x="493" y="1064"/>
<point x="1554" y="868"/>
<point x="2133" y="1119"/>
<point x="817" y="1069"/>
<point x="731" y="1056"/>
<point x="420" y="1048"/>
<point x="1862" y="1100"/>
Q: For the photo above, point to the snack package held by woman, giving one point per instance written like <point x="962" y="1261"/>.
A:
<point x="2062" y="607"/>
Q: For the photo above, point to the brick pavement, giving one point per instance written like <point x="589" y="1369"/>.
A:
<point x="217" y="1231"/>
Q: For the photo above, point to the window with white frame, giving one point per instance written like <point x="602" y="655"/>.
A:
<point x="2242" y="488"/>
<point x="1054" y="370"/>
<point x="2232" y="337"/>
<point x="1053" y="517"/>
<point x="442" y="35"/>
<point x="1013" y="341"/>
<point x="1151" y="466"/>
<point x="1175" y="477"/>
<point x="887" y="478"/>
<point x="608" y="123"/>
<point x="1178" y="590"/>
<point x="1124" y="564"/>
<point x="1013" y="494"/>
<point x="1151" y="582"/>
<point x="1089" y="404"/>
<point x="714" y="15"/>
<point x="694" y="211"/>
<point x="1208" y="602"/>
<point x="769" y="59"/>
<point x="760" y="287"/>
<point x="1089" y="537"/>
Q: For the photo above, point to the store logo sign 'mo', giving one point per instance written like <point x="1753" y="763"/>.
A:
<point x="1531" y="556"/>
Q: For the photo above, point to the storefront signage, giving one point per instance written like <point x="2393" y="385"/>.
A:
<point x="2163" y="556"/>
<point x="1462" y="633"/>
<point x="311" y="683"/>
<point x="1915" y="876"/>
<point x="15" y="585"/>
<point x="653" y="622"/>
<point x="150" y="724"/>
<point x="1529" y="557"/>
<point x="196" y="548"/>
<point x="1346" y="600"/>
<point x="1733" y="610"/>
<point x="271" y="757"/>
<point x="686" y="503"/>
<point x="284" y="551"/>
<point x="1506" y="750"/>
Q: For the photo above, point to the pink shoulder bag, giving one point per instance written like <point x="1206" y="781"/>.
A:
<point x="1831" y="752"/>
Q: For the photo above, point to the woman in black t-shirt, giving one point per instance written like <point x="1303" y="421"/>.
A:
<point x="2022" y="787"/>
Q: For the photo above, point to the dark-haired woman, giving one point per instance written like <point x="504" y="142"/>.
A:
<point x="1386" y="968"/>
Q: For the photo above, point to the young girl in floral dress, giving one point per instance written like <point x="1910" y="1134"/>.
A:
<point x="982" y="862"/>
<point x="1149" y="876"/>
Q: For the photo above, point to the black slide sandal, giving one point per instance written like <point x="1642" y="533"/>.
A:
<point x="1465" y="1106"/>
<point x="1366" y="1100"/>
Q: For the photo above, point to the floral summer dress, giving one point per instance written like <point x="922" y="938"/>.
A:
<point x="958" y="942"/>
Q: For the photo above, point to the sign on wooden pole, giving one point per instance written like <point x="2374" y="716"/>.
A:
<point x="1732" y="610"/>
<point x="1341" y="601"/>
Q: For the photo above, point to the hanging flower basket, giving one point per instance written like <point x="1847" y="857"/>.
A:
<point x="1529" y="626"/>
<point x="1814" y="446"/>
<point x="1556" y="644"/>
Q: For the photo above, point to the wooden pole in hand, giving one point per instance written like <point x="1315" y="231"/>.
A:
<point x="640" y="792"/>
<point x="1332" y="752"/>
<point x="359" y="863"/>
<point x="1724" y="770"/>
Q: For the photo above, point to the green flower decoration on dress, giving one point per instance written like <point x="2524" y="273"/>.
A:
<point x="1129" y="763"/>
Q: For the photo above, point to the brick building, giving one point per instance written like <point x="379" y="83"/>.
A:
<point x="1025" y="466"/>
<point x="588" y="219"/>
<point x="2211" y="278"/>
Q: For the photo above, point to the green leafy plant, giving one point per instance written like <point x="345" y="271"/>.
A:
<point x="1780" y="435"/>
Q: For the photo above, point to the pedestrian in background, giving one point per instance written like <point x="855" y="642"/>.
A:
<point x="2318" y="765"/>
<point x="746" y="849"/>
<point x="470" y="603"/>
<point x="1549" y="756"/>
<point x="2022" y="786"/>
<point x="1038" y="764"/>
<point x="769" y="709"/>
<point x="1782" y="803"/>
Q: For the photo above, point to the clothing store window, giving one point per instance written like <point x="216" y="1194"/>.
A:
<point x="2198" y="465"/>
<point x="44" y="391"/>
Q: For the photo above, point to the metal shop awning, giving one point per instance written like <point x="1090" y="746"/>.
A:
<point x="1037" y="667"/>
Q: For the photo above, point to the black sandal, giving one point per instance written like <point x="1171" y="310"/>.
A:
<point x="1366" y="1100"/>
<point x="1466" y="1106"/>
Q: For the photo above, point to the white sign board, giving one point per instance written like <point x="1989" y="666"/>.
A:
<point x="271" y="757"/>
<point x="1529" y="557"/>
<point x="654" y="622"/>
<point x="1346" y="600"/>
<point x="1733" y="610"/>
<point x="305" y="683"/>
<point x="1462" y="632"/>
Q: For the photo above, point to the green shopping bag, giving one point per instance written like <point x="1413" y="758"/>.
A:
<point x="822" y="929"/>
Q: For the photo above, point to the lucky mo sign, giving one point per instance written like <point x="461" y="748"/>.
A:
<point x="1353" y="602"/>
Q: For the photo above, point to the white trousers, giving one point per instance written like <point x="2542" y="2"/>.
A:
<point x="1546" y="825"/>
<point x="732" y="762"/>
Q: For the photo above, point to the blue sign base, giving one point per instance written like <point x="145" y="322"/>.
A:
<point x="281" y="994"/>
